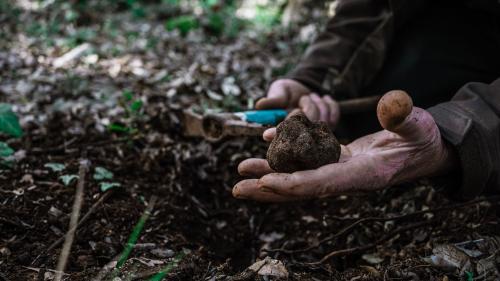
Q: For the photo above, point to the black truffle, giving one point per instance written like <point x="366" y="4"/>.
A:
<point x="302" y="145"/>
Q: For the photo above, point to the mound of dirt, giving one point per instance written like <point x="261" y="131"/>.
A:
<point x="302" y="145"/>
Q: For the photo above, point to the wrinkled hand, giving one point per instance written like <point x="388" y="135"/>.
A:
<point x="290" y="94"/>
<point x="410" y="147"/>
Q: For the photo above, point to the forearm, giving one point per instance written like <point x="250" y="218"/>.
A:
<point x="351" y="49"/>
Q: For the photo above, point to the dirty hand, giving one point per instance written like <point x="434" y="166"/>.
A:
<point x="288" y="93"/>
<point x="410" y="147"/>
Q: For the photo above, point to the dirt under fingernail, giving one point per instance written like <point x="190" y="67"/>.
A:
<point x="302" y="145"/>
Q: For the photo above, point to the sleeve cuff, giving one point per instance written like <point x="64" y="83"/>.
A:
<point x="460" y="131"/>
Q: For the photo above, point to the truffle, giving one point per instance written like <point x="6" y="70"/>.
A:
<point x="302" y="145"/>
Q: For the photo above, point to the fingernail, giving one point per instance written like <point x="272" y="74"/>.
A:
<point x="264" y="188"/>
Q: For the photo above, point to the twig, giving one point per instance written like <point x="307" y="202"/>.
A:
<point x="106" y="269"/>
<point x="60" y="148"/>
<point x="353" y="250"/>
<point x="66" y="146"/>
<point x="73" y="223"/>
<point x="80" y="223"/>
<point x="383" y="219"/>
<point x="171" y="265"/>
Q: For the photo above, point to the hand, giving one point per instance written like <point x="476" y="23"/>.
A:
<point x="410" y="147"/>
<point x="288" y="93"/>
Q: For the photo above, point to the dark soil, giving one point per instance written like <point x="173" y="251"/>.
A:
<point x="65" y="113"/>
<point x="302" y="145"/>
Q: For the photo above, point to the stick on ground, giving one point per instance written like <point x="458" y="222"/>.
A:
<point x="73" y="223"/>
<point x="80" y="223"/>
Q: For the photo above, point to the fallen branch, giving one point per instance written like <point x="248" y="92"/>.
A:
<point x="358" y="249"/>
<point x="384" y="219"/>
<point x="73" y="223"/>
<point x="80" y="223"/>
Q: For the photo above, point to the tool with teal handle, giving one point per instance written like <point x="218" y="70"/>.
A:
<point x="271" y="117"/>
<point x="245" y="123"/>
<point x="254" y="122"/>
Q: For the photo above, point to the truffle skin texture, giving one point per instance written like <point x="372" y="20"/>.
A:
<point x="302" y="145"/>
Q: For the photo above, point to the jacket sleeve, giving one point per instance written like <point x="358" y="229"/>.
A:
<point x="350" y="51"/>
<point x="471" y="123"/>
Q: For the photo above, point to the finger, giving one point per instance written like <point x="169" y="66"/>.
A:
<point x="294" y="112"/>
<point x="248" y="189"/>
<point x="332" y="179"/>
<point x="334" y="116"/>
<point x="393" y="108"/>
<point x="254" y="167"/>
<point x="270" y="103"/>
<point x="277" y="97"/>
<point x="296" y="185"/>
<point x="309" y="108"/>
<point x="323" y="110"/>
<point x="269" y="134"/>
<point x="397" y="114"/>
<point x="345" y="153"/>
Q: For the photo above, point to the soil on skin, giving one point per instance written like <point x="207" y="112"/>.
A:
<point x="66" y="114"/>
<point x="302" y="145"/>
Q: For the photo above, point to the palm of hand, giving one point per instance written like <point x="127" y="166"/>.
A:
<point x="412" y="149"/>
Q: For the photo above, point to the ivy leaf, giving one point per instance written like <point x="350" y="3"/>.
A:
<point x="5" y="155"/>
<point x="101" y="173"/>
<point x="136" y="106"/>
<point x="183" y="23"/>
<point x="67" y="179"/>
<point x="9" y="123"/>
<point x="127" y="95"/>
<point x="114" y="127"/>
<point x="55" y="167"/>
<point x="470" y="276"/>
<point x="104" y="186"/>
<point x="5" y="150"/>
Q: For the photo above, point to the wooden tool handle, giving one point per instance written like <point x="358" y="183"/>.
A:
<point x="359" y="105"/>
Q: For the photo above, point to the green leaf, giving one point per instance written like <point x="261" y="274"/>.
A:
<point x="5" y="150"/>
<point x="127" y="95"/>
<point x="104" y="186"/>
<point x="182" y="23"/>
<point x="101" y="173"/>
<point x="216" y="23"/>
<point x="55" y="167"/>
<point x="138" y="12"/>
<point x="114" y="127"/>
<point x="67" y="179"/>
<point x="9" y="123"/>
<point x="136" y="105"/>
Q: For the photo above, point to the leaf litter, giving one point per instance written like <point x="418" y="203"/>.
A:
<point x="66" y="103"/>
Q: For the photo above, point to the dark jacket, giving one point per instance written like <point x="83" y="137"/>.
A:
<point x="347" y="56"/>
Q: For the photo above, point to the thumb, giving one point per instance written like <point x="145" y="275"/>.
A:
<point x="272" y="102"/>
<point x="396" y="113"/>
<point x="277" y="97"/>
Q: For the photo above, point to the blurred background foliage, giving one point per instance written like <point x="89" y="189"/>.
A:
<point x="221" y="19"/>
<point x="221" y="53"/>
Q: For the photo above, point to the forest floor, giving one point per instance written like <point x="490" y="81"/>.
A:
<point x="118" y="105"/>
